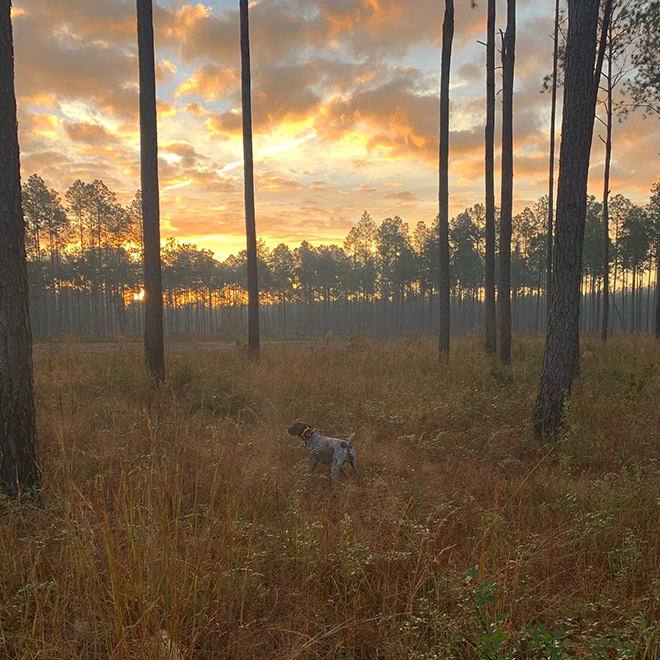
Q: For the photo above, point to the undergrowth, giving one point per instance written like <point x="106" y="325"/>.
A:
<point x="181" y="521"/>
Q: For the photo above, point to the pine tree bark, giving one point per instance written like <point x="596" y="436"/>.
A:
<point x="248" y="170"/>
<point x="606" y="194"/>
<point x="504" y="292"/>
<point x="443" y="188"/>
<point x="657" y="281"/>
<point x="491" y="315"/>
<point x="562" y="339"/>
<point x="551" y="178"/>
<point x="153" y="286"/>
<point x="19" y="470"/>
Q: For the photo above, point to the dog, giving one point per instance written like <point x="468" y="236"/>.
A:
<point x="329" y="451"/>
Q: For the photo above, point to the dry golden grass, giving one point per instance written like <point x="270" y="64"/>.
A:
<point x="182" y="522"/>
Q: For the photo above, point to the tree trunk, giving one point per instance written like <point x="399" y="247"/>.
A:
<point x="19" y="470"/>
<point x="153" y="288"/>
<point x="445" y="66"/>
<point x="657" y="281"/>
<point x="562" y="338"/>
<point x="606" y="193"/>
<point x="95" y="274"/>
<point x="551" y="185"/>
<point x="593" y="321"/>
<point x="491" y="317"/>
<point x="504" y="293"/>
<point x="248" y="170"/>
<point x="633" y="297"/>
<point x="624" y="299"/>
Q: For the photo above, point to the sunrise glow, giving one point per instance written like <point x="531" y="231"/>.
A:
<point x="345" y="112"/>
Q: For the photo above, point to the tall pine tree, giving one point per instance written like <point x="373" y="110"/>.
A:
<point x="19" y="470"/>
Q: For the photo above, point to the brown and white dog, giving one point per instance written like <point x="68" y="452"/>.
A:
<point x="329" y="451"/>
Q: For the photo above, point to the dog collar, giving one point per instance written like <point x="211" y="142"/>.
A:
<point x="307" y="433"/>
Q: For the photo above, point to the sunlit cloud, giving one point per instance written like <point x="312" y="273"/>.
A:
<point x="283" y="147"/>
<point x="230" y="166"/>
<point x="171" y="158"/>
<point x="174" y="186"/>
<point x="269" y="151"/>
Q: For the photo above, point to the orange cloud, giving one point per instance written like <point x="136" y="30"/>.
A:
<point x="210" y="82"/>
<point x="165" y="108"/>
<point x="42" y="125"/>
<point x="277" y="183"/>
<point x="196" y="109"/>
<point x="89" y="133"/>
<point x="401" y="197"/>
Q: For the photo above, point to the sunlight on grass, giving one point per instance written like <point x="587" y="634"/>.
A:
<point x="183" y="521"/>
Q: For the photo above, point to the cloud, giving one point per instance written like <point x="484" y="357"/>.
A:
<point x="196" y="109"/>
<point x="471" y="72"/>
<point x="277" y="183"/>
<point x="210" y="82"/>
<point x="185" y="153"/>
<point x="100" y="19"/>
<point x="39" y="125"/>
<point x="66" y="66"/>
<point x="44" y="162"/>
<point x="276" y="31"/>
<point x="282" y="29"/>
<point x="89" y="133"/>
<point x="288" y="93"/>
<point x="320" y="186"/>
<point x="404" y="197"/>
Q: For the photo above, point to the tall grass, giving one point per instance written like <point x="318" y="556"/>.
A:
<point x="183" y="522"/>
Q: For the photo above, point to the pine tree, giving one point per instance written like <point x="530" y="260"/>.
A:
<point x="153" y="286"/>
<point x="560" y="358"/>
<point x="445" y="72"/>
<point x="248" y="170"/>
<point x="504" y="293"/>
<point x="491" y="314"/>
<point x="19" y="470"/>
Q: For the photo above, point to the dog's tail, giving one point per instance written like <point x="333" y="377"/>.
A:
<point x="350" y="440"/>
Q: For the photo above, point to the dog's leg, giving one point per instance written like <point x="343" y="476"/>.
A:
<point x="313" y="462"/>
<point x="353" y="459"/>
<point x="337" y="462"/>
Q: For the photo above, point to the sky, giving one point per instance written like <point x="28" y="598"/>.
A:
<point x="345" y="111"/>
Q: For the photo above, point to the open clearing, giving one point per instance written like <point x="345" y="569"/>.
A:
<point x="183" y="519"/>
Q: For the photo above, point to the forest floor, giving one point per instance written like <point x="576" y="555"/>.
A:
<point x="187" y="343"/>
<point x="181" y="521"/>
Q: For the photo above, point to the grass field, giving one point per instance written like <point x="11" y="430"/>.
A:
<point x="182" y="521"/>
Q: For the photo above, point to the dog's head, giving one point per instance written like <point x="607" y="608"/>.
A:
<point x="299" y="429"/>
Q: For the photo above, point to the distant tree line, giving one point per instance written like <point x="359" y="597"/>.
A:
<point x="86" y="277"/>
